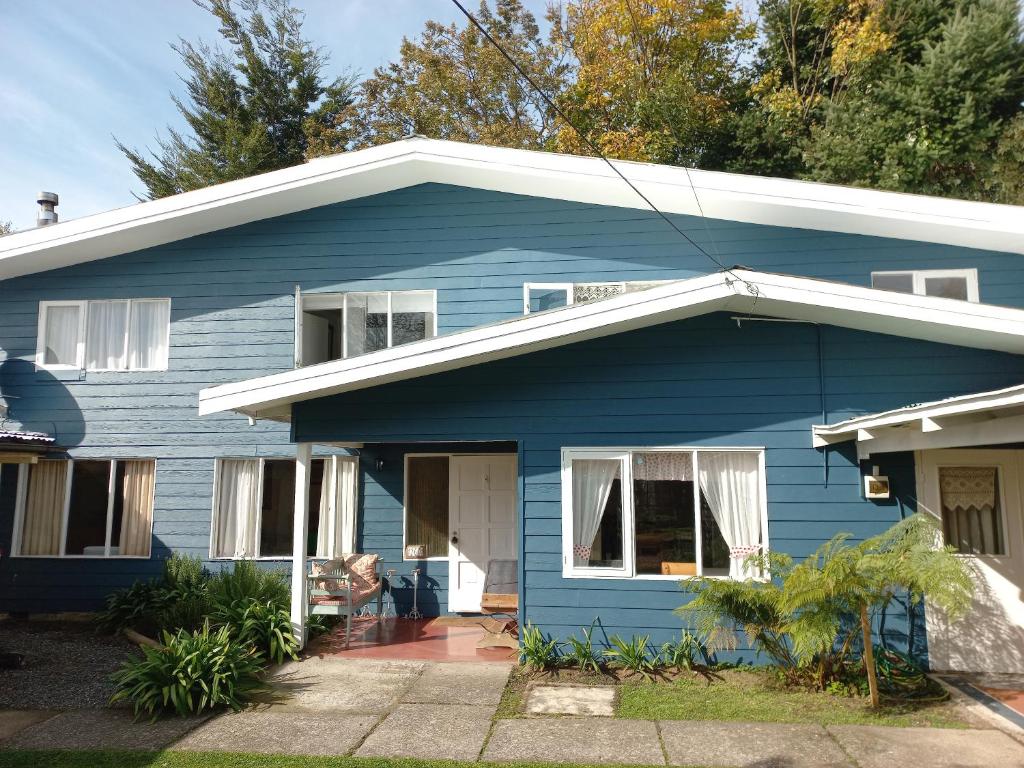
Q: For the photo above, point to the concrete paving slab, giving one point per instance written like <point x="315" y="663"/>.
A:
<point x="14" y="720"/>
<point x="280" y="732"/>
<point x="350" y="685"/>
<point x="460" y="683"/>
<point x="441" y="731"/>
<point x="103" y="729"/>
<point x="879" y="747"/>
<point x="575" y="740"/>
<point x="592" y="700"/>
<point x="750" y="745"/>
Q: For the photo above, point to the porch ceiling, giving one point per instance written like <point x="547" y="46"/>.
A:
<point x="738" y="290"/>
<point x="983" y="418"/>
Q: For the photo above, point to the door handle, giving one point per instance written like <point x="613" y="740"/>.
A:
<point x="455" y="538"/>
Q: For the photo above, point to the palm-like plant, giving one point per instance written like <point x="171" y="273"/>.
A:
<point x="854" y="580"/>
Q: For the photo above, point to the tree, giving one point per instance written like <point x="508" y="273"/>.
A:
<point x="250" y="110"/>
<point x="451" y="83"/>
<point x="932" y="125"/>
<point x="655" y="81"/>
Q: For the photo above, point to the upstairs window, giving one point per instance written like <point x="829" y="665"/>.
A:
<point x="332" y="326"/>
<point x="538" y="297"/>
<point x="115" y="335"/>
<point x="959" y="284"/>
<point x="662" y="512"/>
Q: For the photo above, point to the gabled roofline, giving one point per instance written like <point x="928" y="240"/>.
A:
<point x="351" y="175"/>
<point x="921" y="317"/>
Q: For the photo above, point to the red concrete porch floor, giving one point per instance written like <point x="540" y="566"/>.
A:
<point x="420" y="639"/>
<point x="1014" y="699"/>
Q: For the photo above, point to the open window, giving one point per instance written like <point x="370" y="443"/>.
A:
<point x="85" y="508"/>
<point x="332" y="326"/>
<point x="662" y="512"/>
<point x="959" y="284"/>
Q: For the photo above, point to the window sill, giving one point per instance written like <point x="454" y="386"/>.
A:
<point x="641" y="577"/>
<point x="81" y="557"/>
<point x="425" y="559"/>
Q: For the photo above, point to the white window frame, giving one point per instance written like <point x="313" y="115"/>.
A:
<point x="338" y="300"/>
<point x="22" y="499"/>
<point x="259" y="501"/>
<point x="624" y="454"/>
<point x="527" y="287"/>
<point x="80" y="351"/>
<point x="920" y="275"/>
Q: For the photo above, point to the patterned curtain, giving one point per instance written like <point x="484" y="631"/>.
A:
<point x="970" y="509"/>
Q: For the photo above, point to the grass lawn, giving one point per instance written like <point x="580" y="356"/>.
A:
<point x="64" y="759"/>
<point x="756" y="697"/>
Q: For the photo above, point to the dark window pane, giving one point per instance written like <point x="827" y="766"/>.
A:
<point x="946" y="287"/>
<point x="87" y="515"/>
<point x="412" y="316"/>
<point x="714" y="550"/>
<point x="279" y="505"/>
<point x="376" y="331"/>
<point x="408" y="326"/>
<point x="321" y="336"/>
<point x="664" y="525"/>
<point x="606" y="551"/>
<point x="902" y="282"/>
<point x="316" y="489"/>
<point x="547" y="298"/>
<point x="426" y="505"/>
<point x="115" y="524"/>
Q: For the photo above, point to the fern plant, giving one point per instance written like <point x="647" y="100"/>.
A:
<point x="582" y="654"/>
<point x="263" y="625"/>
<point x="633" y="654"/>
<point x="194" y="671"/>
<point x="537" y="651"/>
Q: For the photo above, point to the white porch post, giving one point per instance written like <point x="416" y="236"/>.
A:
<point x="300" y="529"/>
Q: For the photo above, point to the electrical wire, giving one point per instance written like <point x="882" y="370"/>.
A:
<point x="751" y="288"/>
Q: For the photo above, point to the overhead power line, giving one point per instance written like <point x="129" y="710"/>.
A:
<point x="751" y="288"/>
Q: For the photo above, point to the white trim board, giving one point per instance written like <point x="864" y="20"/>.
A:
<point x="921" y="317"/>
<point x="412" y="161"/>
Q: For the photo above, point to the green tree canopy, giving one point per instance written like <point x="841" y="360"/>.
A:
<point x="254" y="108"/>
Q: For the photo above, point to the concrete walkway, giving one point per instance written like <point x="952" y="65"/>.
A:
<point x="446" y="710"/>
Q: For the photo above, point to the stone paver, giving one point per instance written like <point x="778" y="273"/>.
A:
<point x="334" y="685"/>
<point x="441" y="731"/>
<point x="575" y="740"/>
<point x="14" y="720"/>
<point x="280" y="732"/>
<point x="592" y="700"/>
<point x="102" y="729"/>
<point x="460" y="683"/>
<point x="750" y="745"/>
<point x="874" y="746"/>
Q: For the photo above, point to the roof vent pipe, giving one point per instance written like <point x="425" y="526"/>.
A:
<point x="47" y="202"/>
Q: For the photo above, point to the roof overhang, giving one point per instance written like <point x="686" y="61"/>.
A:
<point x="351" y="175"/>
<point x="17" y="447"/>
<point x="796" y="298"/>
<point x="983" y="418"/>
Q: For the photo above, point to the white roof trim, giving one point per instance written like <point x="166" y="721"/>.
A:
<point x="333" y="179"/>
<point x="797" y="298"/>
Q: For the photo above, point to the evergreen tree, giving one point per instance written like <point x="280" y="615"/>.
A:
<point x="256" y="108"/>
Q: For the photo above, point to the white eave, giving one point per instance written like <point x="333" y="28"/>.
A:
<point x="982" y="418"/>
<point x="337" y="178"/>
<point x="741" y="291"/>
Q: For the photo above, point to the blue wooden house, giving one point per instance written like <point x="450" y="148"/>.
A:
<point x="452" y="355"/>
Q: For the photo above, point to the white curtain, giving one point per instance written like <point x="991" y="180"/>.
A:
<point x="137" y="508"/>
<point x="147" y="341"/>
<point x="107" y="328"/>
<point x="591" y="485"/>
<point x="336" y="532"/>
<point x="237" y="515"/>
<point x="44" y="508"/>
<point x="61" y="335"/>
<point x="730" y="481"/>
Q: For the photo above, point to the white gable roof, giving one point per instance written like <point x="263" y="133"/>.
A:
<point x="921" y="317"/>
<point x="412" y="161"/>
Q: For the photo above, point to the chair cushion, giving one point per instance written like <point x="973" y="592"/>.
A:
<point x="361" y="569"/>
<point x="358" y="597"/>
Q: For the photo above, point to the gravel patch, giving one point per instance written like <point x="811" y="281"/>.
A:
<point x="67" y="665"/>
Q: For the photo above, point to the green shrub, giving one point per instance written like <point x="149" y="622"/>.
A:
<point x="187" y="612"/>
<point x="684" y="653"/>
<point x="537" y="651"/>
<point x="138" y="606"/>
<point x="193" y="672"/>
<point x="632" y="654"/>
<point x="247" y="581"/>
<point x="582" y="654"/>
<point x="185" y="574"/>
<point x="265" y="626"/>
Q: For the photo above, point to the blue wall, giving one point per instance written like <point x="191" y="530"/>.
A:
<point x="696" y="382"/>
<point x="233" y="318"/>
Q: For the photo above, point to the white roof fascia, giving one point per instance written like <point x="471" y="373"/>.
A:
<point x="365" y="172"/>
<point x="796" y="298"/>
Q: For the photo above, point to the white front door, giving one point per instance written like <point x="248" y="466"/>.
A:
<point x="482" y="524"/>
<point x="976" y="495"/>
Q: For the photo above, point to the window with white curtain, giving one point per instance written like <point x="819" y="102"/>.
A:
<point x="85" y="508"/>
<point x="254" y="503"/>
<point x="108" y="335"/>
<point x="653" y="512"/>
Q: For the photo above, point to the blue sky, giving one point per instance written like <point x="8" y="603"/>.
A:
<point x="75" y="74"/>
